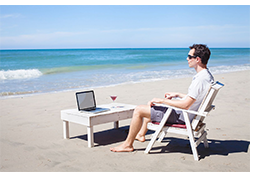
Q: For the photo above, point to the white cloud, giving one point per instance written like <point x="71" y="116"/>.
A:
<point x="172" y="36"/>
<point x="30" y="40"/>
<point x="180" y="28"/>
<point x="10" y="16"/>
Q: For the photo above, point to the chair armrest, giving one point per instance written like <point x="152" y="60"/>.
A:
<point x="184" y="110"/>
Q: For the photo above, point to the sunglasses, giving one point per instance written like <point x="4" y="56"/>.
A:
<point x="190" y="57"/>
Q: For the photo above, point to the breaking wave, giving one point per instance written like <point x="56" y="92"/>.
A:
<point x="19" y="74"/>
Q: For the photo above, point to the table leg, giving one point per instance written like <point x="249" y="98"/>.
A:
<point x="116" y="125"/>
<point x="66" y="130"/>
<point x="90" y="137"/>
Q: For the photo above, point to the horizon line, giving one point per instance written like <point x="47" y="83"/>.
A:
<point x="115" y="48"/>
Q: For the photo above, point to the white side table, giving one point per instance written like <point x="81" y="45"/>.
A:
<point x="123" y="111"/>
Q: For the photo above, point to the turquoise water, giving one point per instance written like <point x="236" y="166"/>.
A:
<point x="50" y="70"/>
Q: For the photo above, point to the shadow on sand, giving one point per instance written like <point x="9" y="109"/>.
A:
<point x="216" y="147"/>
<point x="171" y="144"/>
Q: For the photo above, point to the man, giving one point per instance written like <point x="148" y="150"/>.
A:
<point x="197" y="58"/>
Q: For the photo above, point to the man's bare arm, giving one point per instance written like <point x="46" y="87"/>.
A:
<point x="183" y="104"/>
<point x="171" y="95"/>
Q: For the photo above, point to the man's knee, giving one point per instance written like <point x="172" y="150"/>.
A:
<point x="141" y="110"/>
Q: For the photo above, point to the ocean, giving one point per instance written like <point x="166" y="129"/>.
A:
<point x="54" y="70"/>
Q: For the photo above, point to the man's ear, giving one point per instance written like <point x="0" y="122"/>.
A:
<point x="198" y="59"/>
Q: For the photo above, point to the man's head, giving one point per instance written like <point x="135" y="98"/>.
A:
<point x="201" y="51"/>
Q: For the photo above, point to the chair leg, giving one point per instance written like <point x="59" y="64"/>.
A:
<point x="157" y="132"/>
<point x="194" y="148"/>
<point x="162" y="136"/>
<point x="205" y="141"/>
<point x="191" y="137"/>
<point x="151" y="143"/>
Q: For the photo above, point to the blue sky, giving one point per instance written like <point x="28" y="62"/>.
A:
<point x="23" y="27"/>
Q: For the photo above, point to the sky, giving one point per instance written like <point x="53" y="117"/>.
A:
<point x="158" y="26"/>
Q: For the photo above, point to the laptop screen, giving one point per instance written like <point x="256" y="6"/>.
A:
<point x="86" y="100"/>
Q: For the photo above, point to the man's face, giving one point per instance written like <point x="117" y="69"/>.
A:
<point x="192" y="61"/>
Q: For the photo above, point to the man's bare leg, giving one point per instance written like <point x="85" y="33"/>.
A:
<point x="141" y="134"/>
<point x="136" y="124"/>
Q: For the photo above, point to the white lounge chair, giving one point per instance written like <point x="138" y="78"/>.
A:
<point x="196" y="128"/>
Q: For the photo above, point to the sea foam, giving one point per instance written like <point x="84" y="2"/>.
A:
<point x="19" y="74"/>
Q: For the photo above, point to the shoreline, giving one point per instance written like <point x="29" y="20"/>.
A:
<point x="33" y="93"/>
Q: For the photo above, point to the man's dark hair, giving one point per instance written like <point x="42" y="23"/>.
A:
<point x="201" y="51"/>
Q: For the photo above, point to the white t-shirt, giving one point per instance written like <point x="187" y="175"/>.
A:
<point x="197" y="90"/>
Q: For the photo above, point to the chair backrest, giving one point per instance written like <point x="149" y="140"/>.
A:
<point x="206" y="104"/>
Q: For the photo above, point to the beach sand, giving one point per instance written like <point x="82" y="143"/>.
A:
<point x="32" y="140"/>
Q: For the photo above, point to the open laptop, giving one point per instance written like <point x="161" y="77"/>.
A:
<point x="86" y="102"/>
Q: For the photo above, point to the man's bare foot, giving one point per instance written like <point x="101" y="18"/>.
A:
<point x="122" y="148"/>
<point x="140" y="138"/>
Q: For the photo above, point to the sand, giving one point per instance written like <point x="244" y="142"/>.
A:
<point x="31" y="132"/>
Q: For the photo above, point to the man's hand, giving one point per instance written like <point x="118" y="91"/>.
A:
<point x="170" y="95"/>
<point x="183" y="104"/>
<point x="155" y="100"/>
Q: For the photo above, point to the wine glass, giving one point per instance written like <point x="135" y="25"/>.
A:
<point x="113" y="97"/>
